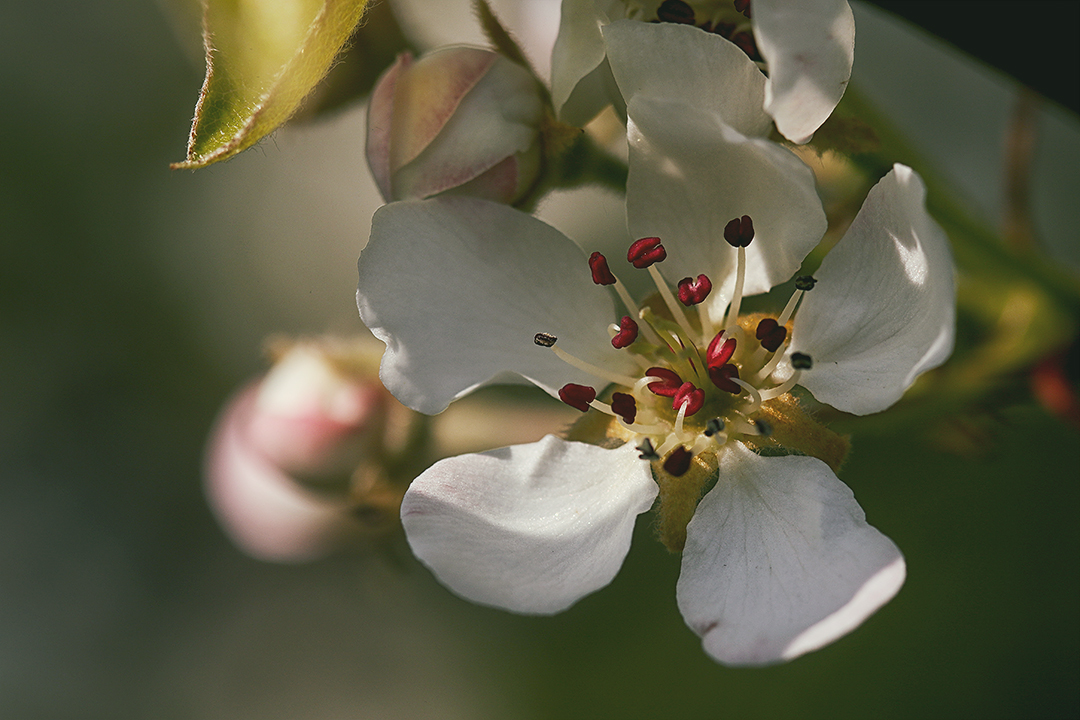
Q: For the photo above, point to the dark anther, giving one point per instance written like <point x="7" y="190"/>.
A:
<point x="745" y="42"/>
<point x="805" y="283"/>
<point x="678" y="462"/>
<point x="624" y="406"/>
<point x="692" y="397"/>
<point x="764" y="428"/>
<point x="720" y="350"/>
<point x="771" y="334"/>
<point x="743" y="6"/>
<point x="577" y="396"/>
<point x="722" y="378"/>
<point x="645" y="252"/>
<point x="675" y="11"/>
<point x="801" y="361"/>
<point x="669" y="383"/>
<point x="628" y="332"/>
<point x="694" y="292"/>
<point x="601" y="274"/>
<point x="714" y="427"/>
<point x="648" y="452"/>
<point x="739" y="232"/>
<point x="545" y="339"/>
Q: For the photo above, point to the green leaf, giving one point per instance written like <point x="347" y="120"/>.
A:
<point x="262" y="58"/>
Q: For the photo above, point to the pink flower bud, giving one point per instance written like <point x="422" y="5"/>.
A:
<point x="283" y="458"/>
<point x="457" y="119"/>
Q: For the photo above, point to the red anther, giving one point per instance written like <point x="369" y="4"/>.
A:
<point x="628" y="331"/>
<point x="678" y="461"/>
<point x="721" y="378"/>
<point x="771" y="334"/>
<point x="739" y="232"/>
<point x="645" y="252"/>
<point x="692" y="292"/>
<point x="693" y="398"/>
<point x="745" y="42"/>
<point x="601" y="275"/>
<point x="624" y="406"/>
<point x="577" y="396"/>
<point x="743" y="6"/>
<point x="675" y="11"/>
<point x="719" y="352"/>
<point x="668" y="385"/>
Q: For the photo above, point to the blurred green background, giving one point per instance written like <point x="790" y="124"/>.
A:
<point x="134" y="299"/>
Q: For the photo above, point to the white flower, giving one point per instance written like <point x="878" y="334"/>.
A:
<point x="807" y="46"/>
<point x="778" y="557"/>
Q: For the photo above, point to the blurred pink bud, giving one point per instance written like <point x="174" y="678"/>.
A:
<point x="457" y="119"/>
<point x="283" y="458"/>
<point x="312" y="421"/>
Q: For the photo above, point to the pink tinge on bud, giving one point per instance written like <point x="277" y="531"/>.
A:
<point x="771" y="334"/>
<point x="721" y="378"/>
<point x="624" y="406"/>
<point x="264" y="510"/>
<point x="458" y="118"/>
<point x="678" y="462"/>
<point x="628" y="332"/>
<point x="601" y="274"/>
<point x="669" y="383"/>
<point x="692" y="397"/>
<point x="720" y="350"/>
<point x="739" y="232"/>
<point x="577" y="396"/>
<point x="645" y="252"/>
<point x="311" y="421"/>
<point x="694" y="292"/>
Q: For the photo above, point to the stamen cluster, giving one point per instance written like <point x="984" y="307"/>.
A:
<point x="730" y="21"/>
<point x="700" y="381"/>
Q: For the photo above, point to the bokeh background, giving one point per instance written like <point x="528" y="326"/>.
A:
<point x="134" y="299"/>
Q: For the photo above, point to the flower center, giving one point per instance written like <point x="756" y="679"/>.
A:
<point x="702" y="382"/>
<point x="729" y="19"/>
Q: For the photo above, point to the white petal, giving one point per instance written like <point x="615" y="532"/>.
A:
<point x="688" y="65"/>
<point x="457" y="288"/>
<point x="779" y="560"/>
<point x="883" y="310"/>
<point x="809" y="46"/>
<point x="690" y="174"/>
<point x="528" y="528"/>
<point x="577" y="69"/>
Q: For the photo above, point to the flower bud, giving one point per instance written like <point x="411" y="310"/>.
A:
<point x="458" y="119"/>
<point x="293" y="463"/>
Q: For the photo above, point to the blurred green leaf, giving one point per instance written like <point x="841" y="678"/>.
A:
<point x="262" y="58"/>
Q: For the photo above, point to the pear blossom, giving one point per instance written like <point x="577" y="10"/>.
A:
<point x="690" y="404"/>
<point x="457" y="119"/>
<point x="807" y="47"/>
